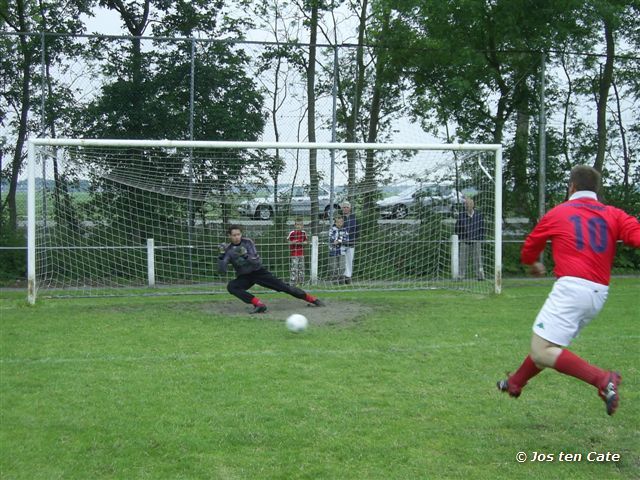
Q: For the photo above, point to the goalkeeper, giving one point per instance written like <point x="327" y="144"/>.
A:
<point x="242" y="254"/>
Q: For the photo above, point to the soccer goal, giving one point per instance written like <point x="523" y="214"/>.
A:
<point x="120" y="217"/>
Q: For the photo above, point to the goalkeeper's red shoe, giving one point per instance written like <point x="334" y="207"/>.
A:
<point x="609" y="393"/>
<point x="503" y="386"/>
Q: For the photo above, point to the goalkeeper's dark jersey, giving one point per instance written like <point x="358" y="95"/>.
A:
<point x="244" y="257"/>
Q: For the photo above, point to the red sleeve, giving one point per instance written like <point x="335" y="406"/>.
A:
<point x="537" y="240"/>
<point x="629" y="229"/>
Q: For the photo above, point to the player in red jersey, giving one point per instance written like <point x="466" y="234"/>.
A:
<point x="583" y="234"/>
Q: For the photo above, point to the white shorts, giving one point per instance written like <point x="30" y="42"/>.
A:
<point x="572" y="303"/>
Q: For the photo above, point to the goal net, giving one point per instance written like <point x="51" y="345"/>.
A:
<point x="114" y="217"/>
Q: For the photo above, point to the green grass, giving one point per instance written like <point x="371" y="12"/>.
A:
<point x="162" y="387"/>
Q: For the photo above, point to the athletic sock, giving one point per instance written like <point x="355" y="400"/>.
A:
<point x="571" y="364"/>
<point x="525" y="372"/>
<point x="310" y="298"/>
<point x="255" y="301"/>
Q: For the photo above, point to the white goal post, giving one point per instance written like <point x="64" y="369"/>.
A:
<point x="112" y="217"/>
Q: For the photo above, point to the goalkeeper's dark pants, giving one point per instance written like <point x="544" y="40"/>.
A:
<point x="263" y="277"/>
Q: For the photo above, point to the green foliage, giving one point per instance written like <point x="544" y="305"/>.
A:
<point x="477" y="64"/>
<point x="13" y="260"/>
<point x="511" y="265"/>
<point x="627" y="260"/>
<point x="150" y="98"/>
<point x="626" y="197"/>
<point x="26" y="61"/>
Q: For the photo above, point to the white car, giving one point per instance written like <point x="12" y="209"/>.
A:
<point x="296" y="200"/>
<point x="437" y="198"/>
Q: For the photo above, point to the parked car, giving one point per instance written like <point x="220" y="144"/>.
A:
<point x="296" y="199"/>
<point x="441" y="198"/>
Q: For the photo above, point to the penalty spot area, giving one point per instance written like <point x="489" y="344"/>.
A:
<point x="335" y="311"/>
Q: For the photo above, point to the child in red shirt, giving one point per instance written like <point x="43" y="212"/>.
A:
<point x="297" y="239"/>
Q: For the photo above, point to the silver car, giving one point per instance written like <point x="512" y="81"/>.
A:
<point x="441" y="198"/>
<point x="296" y="200"/>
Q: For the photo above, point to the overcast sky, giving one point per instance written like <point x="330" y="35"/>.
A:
<point x="105" y="22"/>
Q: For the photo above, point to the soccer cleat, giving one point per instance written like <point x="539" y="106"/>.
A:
<point x="258" y="309"/>
<point x="503" y="386"/>
<point x="319" y="303"/>
<point x="610" y="392"/>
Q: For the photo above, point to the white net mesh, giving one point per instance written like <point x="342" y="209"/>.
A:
<point x="122" y="219"/>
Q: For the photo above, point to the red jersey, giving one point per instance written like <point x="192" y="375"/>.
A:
<point x="296" y="237"/>
<point x="583" y="234"/>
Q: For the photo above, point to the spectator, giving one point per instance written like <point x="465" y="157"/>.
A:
<point x="337" y="238"/>
<point x="470" y="231"/>
<point x="349" y="245"/>
<point x="297" y="239"/>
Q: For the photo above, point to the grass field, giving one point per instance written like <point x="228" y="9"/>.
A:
<point x="166" y="388"/>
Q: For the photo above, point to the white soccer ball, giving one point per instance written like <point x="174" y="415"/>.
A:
<point x="297" y="323"/>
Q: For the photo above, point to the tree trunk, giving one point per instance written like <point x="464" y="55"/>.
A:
<point x="276" y="133"/>
<point x="352" y="127"/>
<point x="500" y="119"/>
<point x="63" y="205"/>
<point x="25" y="101"/>
<point x="136" y="26"/>
<point x="311" y="116"/>
<point x="374" y="124"/>
<point x="565" y="120"/>
<point x="626" y="160"/>
<point x="372" y="135"/>
<point x="603" y="94"/>
<point x="518" y="162"/>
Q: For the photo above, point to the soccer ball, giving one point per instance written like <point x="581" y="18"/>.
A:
<point x="297" y="323"/>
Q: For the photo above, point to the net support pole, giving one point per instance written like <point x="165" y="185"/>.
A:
<point x="455" y="257"/>
<point x="314" y="260"/>
<point x="542" y="149"/>
<point x="498" y="222"/>
<point x="31" y="224"/>
<point x="151" y="263"/>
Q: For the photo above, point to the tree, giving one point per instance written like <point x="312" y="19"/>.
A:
<point x="22" y="72"/>
<point x="279" y="70"/>
<point x="597" y="80"/>
<point x="311" y="111"/>
<point x="610" y="16"/>
<point x="368" y="93"/>
<point x="20" y="65"/>
<point x="384" y="76"/>
<point x="475" y="65"/>
<point x="150" y="94"/>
